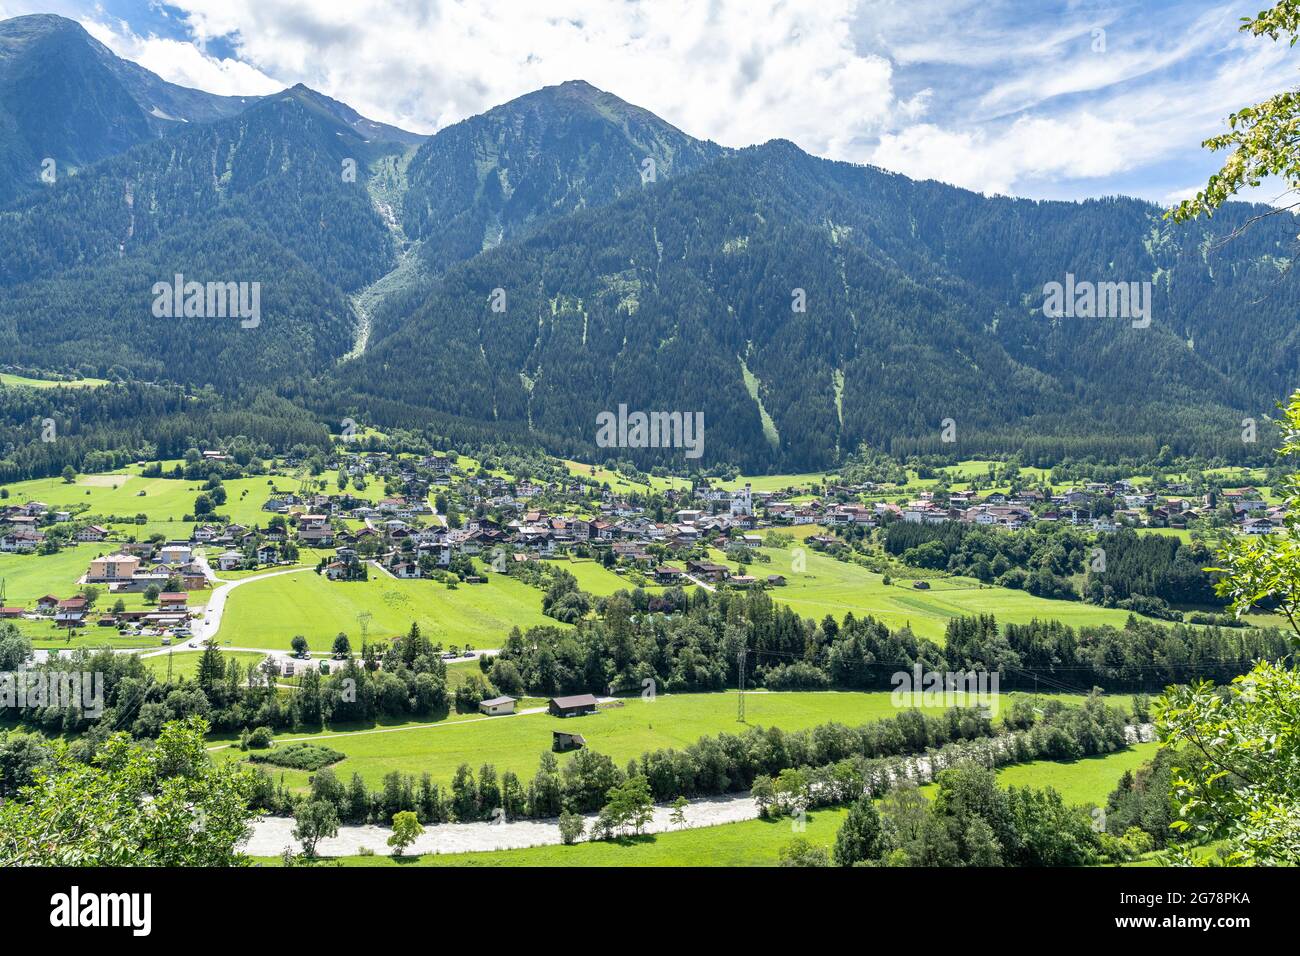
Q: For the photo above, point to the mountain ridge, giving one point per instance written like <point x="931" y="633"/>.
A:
<point x="636" y="265"/>
<point x="66" y="97"/>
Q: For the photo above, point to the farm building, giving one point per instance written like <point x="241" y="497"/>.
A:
<point x="574" y="706"/>
<point x="497" y="705"/>
<point x="562" y="741"/>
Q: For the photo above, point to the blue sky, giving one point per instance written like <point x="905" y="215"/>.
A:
<point x="1040" y="98"/>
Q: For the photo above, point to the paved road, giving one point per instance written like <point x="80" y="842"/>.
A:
<point x="707" y="587"/>
<point x="438" y="725"/>
<point x="201" y="560"/>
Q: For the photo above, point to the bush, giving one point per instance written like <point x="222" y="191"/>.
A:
<point x="571" y="827"/>
<point x="258" y="738"/>
<point x="299" y="756"/>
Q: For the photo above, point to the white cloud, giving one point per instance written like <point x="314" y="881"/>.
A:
<point x="183" y="63"/>
<point x="993" y="95"/>
<point x="1120" y="53"/>
<point x="1094" y="116"/>
<point x="1030" y="148"/>
<point x="1178" y="195"/>
<point x="737" y="71"/>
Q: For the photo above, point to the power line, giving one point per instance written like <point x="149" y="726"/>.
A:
<point x="740" y="706"/>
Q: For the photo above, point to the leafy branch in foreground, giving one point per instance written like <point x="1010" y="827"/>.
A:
<point x="1264" y="138"/>
<point x="1239" y="747"/>
<point x="133" y="804"/>
<point x="1265" y="569"/>
<point x="1241" y="756"/>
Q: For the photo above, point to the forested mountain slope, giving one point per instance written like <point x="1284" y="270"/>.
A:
<point x="66" y="97"/>
<point x="923" y="302"/>
<point x="523" y="164"/>
<point x="533" y="159"/>
<point x="262" y="197"/>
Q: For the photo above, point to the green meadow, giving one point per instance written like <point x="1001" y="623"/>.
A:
<point x="22" y="381"/>
<point x="1089" y="780"/>
<point x="163" y="501"/>
<point x="30" y="576"/>
<point x="775" y="483"/>
<point x="45" y="636"/>
<point x="595" y="578"/>
<point x="268" y="613"/>
<point x="618" y="483"/>
<point x="749" y="843"/>
<point x="827" y="586"/>
<point x="620" y="732"/>
<point x="185" y="663"/>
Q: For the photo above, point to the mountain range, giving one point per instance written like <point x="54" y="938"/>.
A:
<point x="567" y="252"/>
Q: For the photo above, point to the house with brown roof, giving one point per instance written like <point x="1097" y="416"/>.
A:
<point x="708" y="571"/>
<point x="71" y="612"/>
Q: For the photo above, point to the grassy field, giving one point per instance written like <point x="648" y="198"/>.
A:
<point x="751" y="843"/>
<point x="117" y="493"/>
<point x="1089" y="780"/>
<point x="30" y="576"/>
<point x="269" y="613"/>
<point x="775" y="482"/>
<point x="595" y="578"/>
<point x="45" y="636"/>
<point x="758" y="842"/>
<point x="620" y="484"/>
<point x="516" y="743"/>
<point x="827" y="586"/>
<point x="186" y="663"/>
<point x="1182" y="534"/>
<point x="21" y="381"/>
<point x="164" y="501"/>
